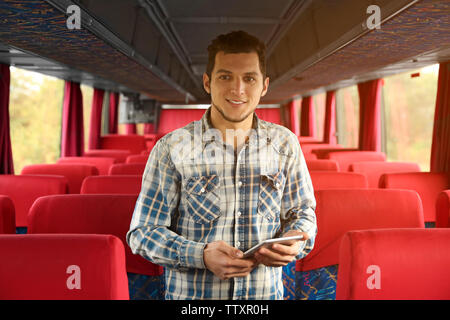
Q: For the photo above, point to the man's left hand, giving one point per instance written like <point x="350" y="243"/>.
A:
<point x="280" y="254"/>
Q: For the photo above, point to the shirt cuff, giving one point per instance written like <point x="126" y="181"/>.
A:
<point x="191" y="254"/>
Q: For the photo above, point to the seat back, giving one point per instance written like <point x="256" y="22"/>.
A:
<point x="337" y="180"/>
<point x="427" y="184"/>
<point x="391" y="264"/>
<point x="126" y="184"/>
<point x="340" y="211"/>
<point x="443" y="210"/>
<point x="373" y="170"/>
<point x="89" y="213"/>
<point x="346" y="158"/>
<point x="311" y="147"/>
<point x="23" y="190"/>
<point x="74" y="173"/>
<point x="101" y="163"/>
<point x="62" y="267"/>
<point x="131" y="142"/>
<point x="137" y="158"/>
<point x="7" y="215"/>
<point x="127" y="169"/>
<point x="119" y="155"/>
<point x="322" y="165"/>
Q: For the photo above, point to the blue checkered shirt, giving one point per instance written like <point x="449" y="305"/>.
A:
<point x="197" y="189"/>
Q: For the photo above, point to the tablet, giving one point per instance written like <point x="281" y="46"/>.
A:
<point x="264" y="243"/>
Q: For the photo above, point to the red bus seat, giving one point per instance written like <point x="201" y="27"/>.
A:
<point x="74" y="173"/>
<point x="322" y="165"/>
<point x="127" y="168"/>
<point x="427" y="184"/>
<point x="7" y="215"/>
<point x="101" y="163"/>
<point x="119" y="155"/>
<point x="137" y="158"/>
<point x="338" y="180"/>
<point x="322" y="153"/>
<point x="373" y="170"/>
<point x="126" y="184"/>
<point x="346" y="158"/>
<point x="131" y="142"/>
<point x="62" y="267"/>
<point x="99" y="214"/>
<point x="394" y="264"/>
<point x="443" y="210"/>
<point x="23" y="190"/>
<point x="340" y="211"/>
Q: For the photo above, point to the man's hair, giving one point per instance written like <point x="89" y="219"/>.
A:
<point x="236" y="42"/>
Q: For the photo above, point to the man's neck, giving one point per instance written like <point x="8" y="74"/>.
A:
<point x="233" y="133"/>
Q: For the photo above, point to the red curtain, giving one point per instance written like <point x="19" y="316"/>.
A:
<point x="149" y="128"/>
<point x="440" y="147"/>
<point x="369" y="115"/>
<point x="308" y="119"/>
<point x="329" y="134"/>
<point x="72" y="136"/>
<point x="113" y="112"/>
<point x="96" y="119"/>
<point x="6" y="160"/>
<point x="294" y="116"/>
<point x="130" y="128"/>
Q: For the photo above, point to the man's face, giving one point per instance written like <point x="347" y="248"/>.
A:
<point x="236" y="85"/>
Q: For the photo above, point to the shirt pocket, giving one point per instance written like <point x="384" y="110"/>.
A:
<point x="202" y="201"/>
<point x="270" y="195"/>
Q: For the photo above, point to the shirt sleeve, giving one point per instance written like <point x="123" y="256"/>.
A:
<point x="298" y="202"/>
<point x="150" y="235"/>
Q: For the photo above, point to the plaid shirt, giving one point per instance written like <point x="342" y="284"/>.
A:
<point x="196" y="189"/>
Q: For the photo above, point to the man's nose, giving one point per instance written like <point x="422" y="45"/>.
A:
<point x="238" y="87"/>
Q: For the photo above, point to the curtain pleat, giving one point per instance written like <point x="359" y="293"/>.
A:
<point x="6" y="159"/>
<point x="440" y="147"/>
<point x="96" y="119"/>
<point x="308" y="121"/>
<point x="369" y="115"/>
<point x="329" y="134"/>
<point x="72" y="136"/>
<point x="113" y="112"/>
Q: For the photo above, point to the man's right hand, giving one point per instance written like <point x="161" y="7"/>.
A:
<point x="226" y="261"/>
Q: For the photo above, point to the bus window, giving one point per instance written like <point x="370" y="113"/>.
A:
<point x="35" y="117"/>
<point x="347" y="116"/>
<point x="409" y="100"/>
<point x="319" y="110"/>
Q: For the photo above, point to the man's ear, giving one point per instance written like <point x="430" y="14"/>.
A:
<point x="265" y="87"/>
<point x="206" y="83"/>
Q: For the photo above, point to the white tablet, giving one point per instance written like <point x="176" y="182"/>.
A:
<point x="264" y="243"/>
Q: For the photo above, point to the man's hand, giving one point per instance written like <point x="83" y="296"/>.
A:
<point x="280" y="254"/>
<point x="226" y="261"/>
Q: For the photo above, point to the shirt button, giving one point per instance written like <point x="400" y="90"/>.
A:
<point x="202" y="190"/>
<point x="238" y="244"/>
<point x="240" y="184"/>
<point x="239" y="213"/>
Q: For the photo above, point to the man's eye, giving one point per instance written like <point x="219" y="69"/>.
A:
<point x="224" y="77"/>
<point x="250" y="79"/>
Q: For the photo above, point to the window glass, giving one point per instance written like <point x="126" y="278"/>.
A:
<point x="319" y="110"/>
<point x="409" y="103"/>
<point x="347" y="116"/>
<point x="35" y="110"/>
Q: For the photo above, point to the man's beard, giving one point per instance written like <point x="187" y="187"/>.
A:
<point x="228" y="118"/>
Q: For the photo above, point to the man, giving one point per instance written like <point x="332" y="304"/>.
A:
<point x="219" y="186"/>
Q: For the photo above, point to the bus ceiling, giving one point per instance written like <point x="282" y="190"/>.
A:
<point x="158" y="48"/>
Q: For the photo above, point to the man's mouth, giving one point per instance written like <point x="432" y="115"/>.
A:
<point x="236" y="102"/>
